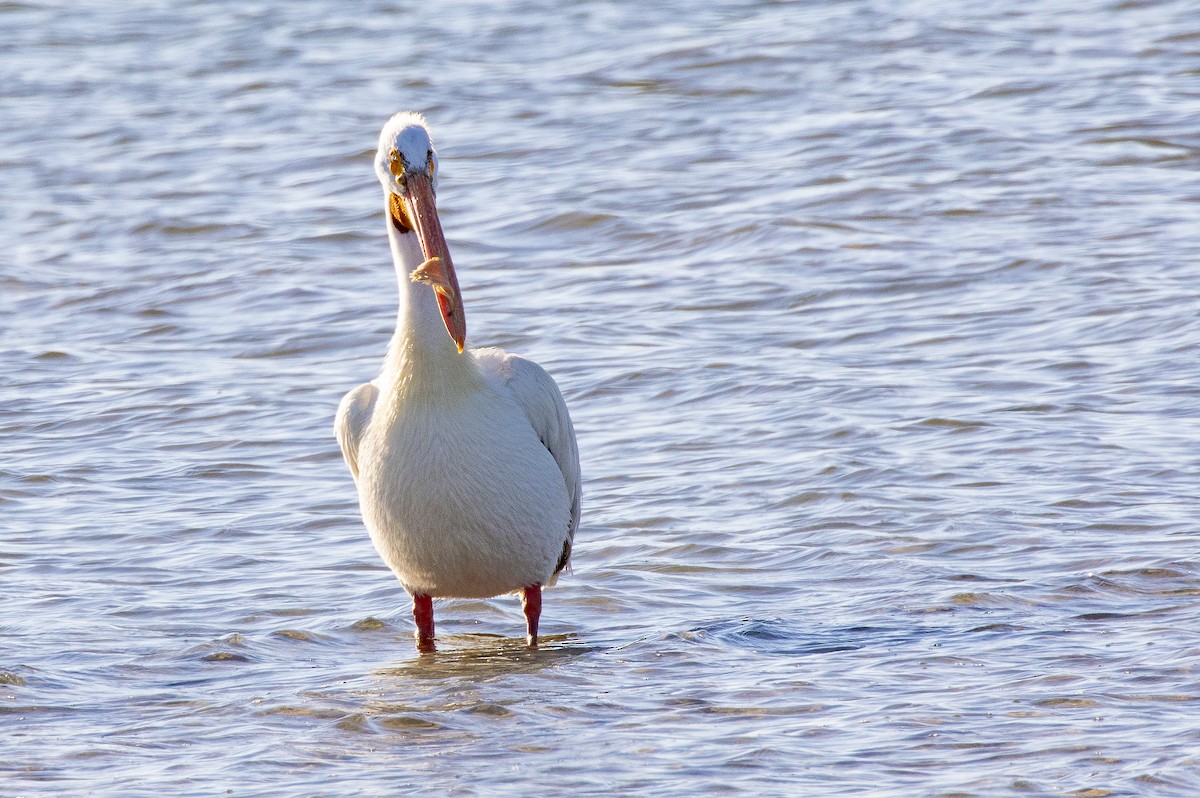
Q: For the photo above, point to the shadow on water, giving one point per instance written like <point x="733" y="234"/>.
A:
<point x="439" y="691"/>
<point x="483" y="656"/>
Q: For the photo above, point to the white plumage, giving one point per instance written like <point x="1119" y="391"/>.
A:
<point x="465" y="461"/>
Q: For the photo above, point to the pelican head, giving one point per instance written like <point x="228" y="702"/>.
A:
<point x="407" y="167"/>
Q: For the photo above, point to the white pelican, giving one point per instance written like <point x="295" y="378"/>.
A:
<point x="465" y="461"/>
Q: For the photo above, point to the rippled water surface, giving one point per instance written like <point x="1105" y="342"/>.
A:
<point x="879" y="325"/>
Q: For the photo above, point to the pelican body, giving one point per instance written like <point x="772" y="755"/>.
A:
<point x="465" y="460"/>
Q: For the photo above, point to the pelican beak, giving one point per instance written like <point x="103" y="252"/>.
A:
<point x="438" y="270"/>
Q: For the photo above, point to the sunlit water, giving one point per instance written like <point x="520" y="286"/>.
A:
<point x="879" y="326"/>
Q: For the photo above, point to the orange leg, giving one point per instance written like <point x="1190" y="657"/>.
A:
<point x="531" y="602"/>
<point x="423" y="615"/>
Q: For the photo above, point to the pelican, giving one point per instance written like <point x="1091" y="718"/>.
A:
<point x="465" y="460"/>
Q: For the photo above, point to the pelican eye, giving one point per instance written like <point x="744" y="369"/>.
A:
<point x="397" y="165"/>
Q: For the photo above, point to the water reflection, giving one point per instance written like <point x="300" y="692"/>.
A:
<point x="481" y="656"/>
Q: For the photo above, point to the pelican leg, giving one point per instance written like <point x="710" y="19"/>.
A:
<point x="531" y="602"/>
<point x="423" y="615"/>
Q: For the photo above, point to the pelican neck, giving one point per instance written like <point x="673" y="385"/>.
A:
<point x="421" y="343"/>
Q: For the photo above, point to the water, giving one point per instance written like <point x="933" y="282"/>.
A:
<point x="877" y="322"/>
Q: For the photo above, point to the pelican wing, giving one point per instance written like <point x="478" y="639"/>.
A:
<point x="538" y="395"/>
<point x="351" y="421"/>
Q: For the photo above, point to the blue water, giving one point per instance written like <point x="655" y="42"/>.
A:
<point x="877" y="323"/>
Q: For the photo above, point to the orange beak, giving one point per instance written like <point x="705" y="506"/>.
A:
<point x="438" y="270"/>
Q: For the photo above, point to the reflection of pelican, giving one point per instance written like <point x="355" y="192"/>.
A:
<point x="465" y="462"/>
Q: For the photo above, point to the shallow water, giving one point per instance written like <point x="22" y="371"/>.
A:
<point x="877" y="323"/>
